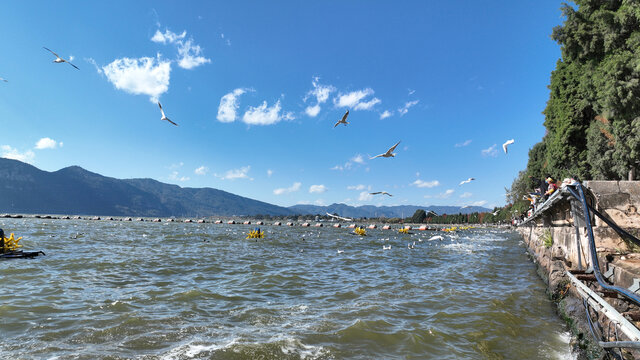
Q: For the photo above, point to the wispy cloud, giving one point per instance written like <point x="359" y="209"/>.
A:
<point x="229" y="105"/>
<point x="293" y="188"/>
<point x="466" y="195"/>
<point x="11" y="153"/>
<point x="357" y="159"/>
<point x="445" y="194"/>
<point x="202" y="170"/>
<point x="356" y="187"/>
<point x="176" y="166"/>
<point x="176" y="177"/>
<point x="269" y="172"/>
<point x="405" y="109"/>
<point x="47" y="143"/>
<point x="233" y="174"/>
<point x="386" y="114"/>
<point x="463" y="144"/>
<point x="491" y="151"/>
<point x="189" y="54"/>
<point x="317" y="189"/>
<point x="425" y="184"/>
<point x="479" y="203"/>
<point x="320" y="93"/>
<point x="143" y="76"/>
<point x="356" y="100"/>
<point x="266" y="115"/>
<point x="365" y="196"/>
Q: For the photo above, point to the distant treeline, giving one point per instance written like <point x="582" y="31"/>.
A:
<point x="592" y="116"/>
<point x="499" y="215"/>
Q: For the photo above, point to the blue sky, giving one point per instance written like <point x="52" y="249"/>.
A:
<point x="256" y="88"/>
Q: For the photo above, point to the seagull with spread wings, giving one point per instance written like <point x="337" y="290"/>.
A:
<point x="504" y="146"/>
<point x="466" y="181"/>
<point x="380" y="192"/>
<point x="59" y="59"/>
<point x="164" y="117"/>
<point x="3" y="79"/>
<point x="343" y="120"/>
<point x="389" y="152"/>
<point x="339" y="217"/>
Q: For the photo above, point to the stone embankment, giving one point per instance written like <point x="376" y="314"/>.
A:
<point x="556" y="237"/>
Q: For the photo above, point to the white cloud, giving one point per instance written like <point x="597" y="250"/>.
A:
<point x="312" y="111"/>
<point x="405" y="109"/>
<point x="320" y="202"/>
<point x="491" y="151"/>
<point x="147" y="76"/>
<point x="319" y="189"/>
<point x="263" y="115"/>
<point x="234" y="174"/>
<point x="356" y="187"/>
<point x="47" y="143"/>
<point x="176" y="177"/>
<point x="466" y="195"/>
<point x="365" y="196"/>
<point x="358" y="159"/>
<point x="321" y="95"/>
<point x="385" y="114"/>
<point x="202" y="170"/>
<point x="269" y="172"/>
<point x="10" y="153"/>
<point x="428" y="184"/>
<point x="462" y="144"/>
<point x="229" y="105"/>
<point x="479" y="203"/>
<point x="445" y="194"/>
<point x="168" y="37"/>
<point x="189" y="53"/>
<point x="355" y="99"/>
<point x="293" y="188"/>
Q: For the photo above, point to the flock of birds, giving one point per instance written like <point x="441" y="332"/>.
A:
<point x="59" y="60"/>
<point x="390" y="153"/>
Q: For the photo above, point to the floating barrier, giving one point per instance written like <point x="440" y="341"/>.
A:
<point x="372" y="226"/>
<point x="277" y="223"/>
<point x="231" y="222"/>
<point x="318" y="225"/>
<point x="305" y="224"/>
<point x="386" y="227"/>
<point x="337" y="225"/>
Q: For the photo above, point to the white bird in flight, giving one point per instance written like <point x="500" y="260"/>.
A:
<point x="466" y="181"/>
<point x="3" y="79"/>
<point x="504" y="146"/>
<point x="339" y="217"/>
<point x="380" y="192"/>
<point x="384" y="247"/>
<point x="343" y="120"/>
<point x="389" y="152"/>
<point x="164" y="117"/>
<point x="59" y="59"/>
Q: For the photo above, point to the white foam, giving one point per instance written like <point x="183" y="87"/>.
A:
<point x="295" y="346"/>
<point x="192" y="350"/>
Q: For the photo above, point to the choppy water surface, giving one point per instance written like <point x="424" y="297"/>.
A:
<point x="141" y="290"/>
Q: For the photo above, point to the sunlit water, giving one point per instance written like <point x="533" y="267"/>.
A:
<point x="142" y="290"/>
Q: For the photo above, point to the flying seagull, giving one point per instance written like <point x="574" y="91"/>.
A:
<point x="380" y="192"/>
<point x="466" y="181"/>
<point x="59" y="59"/>
<point x="504" y="146"/>
<point x="343" y="120"/>
<point x="389" y="152"/>
<point x="339" y="217"/>
<point x="3" y="79"/>
<point x="164" y="117"/>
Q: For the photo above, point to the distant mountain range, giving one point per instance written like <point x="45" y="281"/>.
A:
<point x="73" y="190"/>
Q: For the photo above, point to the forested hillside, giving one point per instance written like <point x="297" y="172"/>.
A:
<point x="592" y="116"/>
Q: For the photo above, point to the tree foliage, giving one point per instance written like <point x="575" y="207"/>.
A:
<point x="592" y="116"/>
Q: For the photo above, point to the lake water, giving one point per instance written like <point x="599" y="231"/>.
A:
<point x="142" y="290"/>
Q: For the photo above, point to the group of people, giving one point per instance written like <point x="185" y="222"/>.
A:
<point x="545" y="187"/>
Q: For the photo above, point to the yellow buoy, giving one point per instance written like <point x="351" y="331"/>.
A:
<point x="11" y="243"/>
<point x="255" y="234"/>
<point x="360" y="231"/>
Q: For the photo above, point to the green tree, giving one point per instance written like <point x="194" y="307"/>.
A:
<point x="419" y="216"/>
